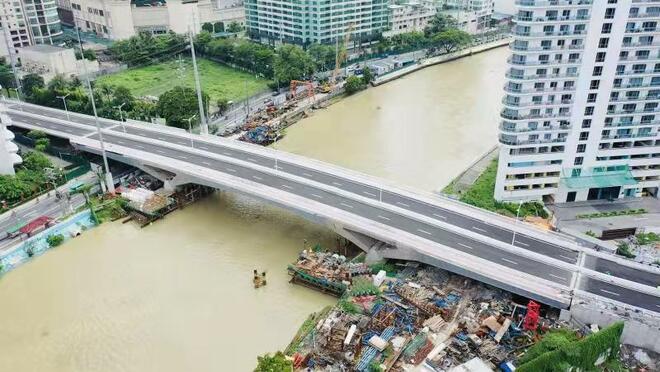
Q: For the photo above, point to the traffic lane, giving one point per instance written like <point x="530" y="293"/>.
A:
<point x="44" y="123"/>
<point x="412" y="226"/>
<point x="478" y="226"/>
<point x="606" y="266"/>
<point x="621" y="294"/>
<point x="62" y="116"/>
<point x="428" y="210"/>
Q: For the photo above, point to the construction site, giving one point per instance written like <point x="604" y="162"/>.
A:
<point x="412" y="317"/>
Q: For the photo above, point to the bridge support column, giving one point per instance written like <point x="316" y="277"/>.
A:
<point x="109" y="183"/>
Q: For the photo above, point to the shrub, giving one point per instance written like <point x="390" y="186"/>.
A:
<point x="623" y="249"/>
<point x="590" y="233"/>
<point x="55" y="240"/>
<point x="648" y="238"/>
<point x="354" y="84"/>
<point x="274" y="363"/>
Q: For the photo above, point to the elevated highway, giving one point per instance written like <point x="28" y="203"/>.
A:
<point x="385" y="220"/>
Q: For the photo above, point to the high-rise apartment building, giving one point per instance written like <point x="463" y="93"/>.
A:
<point x="473" y="16"/>
<point x="315" y="21"/>
<point x="28" y="22"/>
<point x="8" y="150"/>
<point x="580" y="113"/>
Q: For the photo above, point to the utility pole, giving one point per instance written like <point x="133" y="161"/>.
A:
<point x="109" y="183"/>
<point x="202" y="119"/>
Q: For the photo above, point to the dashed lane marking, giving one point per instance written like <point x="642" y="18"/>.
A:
<point x="252" y="160"/>
<point x="307" y="175"/>
<point x="558" y="277"/>
<point x="465" y="246"/>
<point x="369" y="193"/>
<point x="206" y="163"/>
<point x="424" y="232"/>
<point x="231" y="170"/>
<point x="317" y="196"/>
<point x="610" y="292"/>
<point x="287" y="187"/>
<point x="403" y="204"/>
<point x="336" y="183"/>
<point x="479" y="229"/>
<point x="440" y="216"/>
<point x="566" y="257"/>
<point x="383" y="218"/>
<point x="509" y="261"/>
<point x="523" y="244"/>
<point x="346" y="205"/>
<point x="257" y="178"/>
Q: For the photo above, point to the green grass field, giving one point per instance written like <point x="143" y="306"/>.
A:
<point x="218" y="81"/>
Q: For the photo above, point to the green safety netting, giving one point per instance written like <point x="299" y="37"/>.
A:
<point x="598" y="177"/>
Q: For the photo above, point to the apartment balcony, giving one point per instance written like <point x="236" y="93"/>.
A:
<point x="516" y="142"/>
<point x="633" y="112"/>
<point x="634" y="86"/>
<point x="512" y="103"/>
<point x="550" y="19"/>
<point x="551" y="128"/>
<point x="549" y="34"/>
<point x="538" y="90"/>
<point x="554" y="62"/>
<point x="551" y="3"/>
<point x="641" y="30"/>
<point x="645" y="1"/>
<point x="638" y="73"/>
<point x="563" y="115"/>
<point x="644" y="15"/>
<point x="540" y="77"/>
<point x="632" y="124"/>
<point x="538" y="49"/>
<point x="649" y="58"/>
<point x="628" y="136"/>
<point x="634" y="99"/>
<point x="638" y="45"/>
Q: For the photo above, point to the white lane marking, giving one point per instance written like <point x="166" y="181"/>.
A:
<point x="161" y="138"/>
<point x="439" y="216"/>
<point x="307" y="175"/>
<point x="346" y="205"/>
<point x="557" y="276"/>
<point x="523" y="244"/>
<point x="383" y="218"/>
<point x="610" y="292"/>
<point x="336" y="183"/>
<point x="424" y="232"/>
<point x="465" y="246"/>
<point x="257" y="178"/>
<point x="231" y="170"/>
<point x="161" y="151"/>
<point x="139" y="146"/>
<point x="509" y="261"/>
<point x="566" y="257"/>
<point x="479" y="229"/>
<point x="403" y="204"/>
<point x="252" y="160"/>
<point x="226" y="153"/>
<point x="641" y="218"/>
<point x="287" y="187"/>
<point x="206" y="162"/>
<point x="122" y="142"/>
<point x="317" y="196"/>
<point x="370" y="193"/>
<point x="203" y="147"/>
<point x="183" y="157"/>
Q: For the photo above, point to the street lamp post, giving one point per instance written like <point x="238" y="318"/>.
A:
<point x="121" y="116"/>
<point x="63" y="98"/>
<point x="513" y="241"/>
<point x="108" y="176"/>
<point x="189" y="120"/>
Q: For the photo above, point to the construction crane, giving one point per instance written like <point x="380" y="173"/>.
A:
<point x="341" y="54"/>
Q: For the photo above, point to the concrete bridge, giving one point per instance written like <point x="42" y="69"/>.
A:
<point x="385" y="220"/>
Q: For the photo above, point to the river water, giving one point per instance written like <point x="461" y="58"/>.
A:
<point x="177" y="295"/>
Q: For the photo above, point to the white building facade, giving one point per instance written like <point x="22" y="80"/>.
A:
<point x="28" y="22"/>
<point x="8" y="150"/>
<point x="473" y="16"/>
<point x="409" y="17"/>
<point x="580" y="113"/>
<point x="315" y="21"/>
<point x="121" y="19"/>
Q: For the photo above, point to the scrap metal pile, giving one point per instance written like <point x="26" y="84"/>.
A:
<point x="423" y="315"/>
<point x="328" y="272"/>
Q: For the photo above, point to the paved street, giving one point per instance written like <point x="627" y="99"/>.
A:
<point x="154" y="143"/>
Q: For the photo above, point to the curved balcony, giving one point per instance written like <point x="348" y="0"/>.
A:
<point x="539" y="49"/>
<point x="540" y="77"/>
<point x="551" y="128"/>
<point x="628" y="136"/>
<point x="564" y="115"/>
<point x="549" y="34"/>
<point x="632" y="124"/>
<point x="635" y="86"/>
<point x="550" y="3"/>
<point x="550" y="19"/>
<point x="538" y="90"/>
<point x="633" y="112"/>
<point x="634" y="99"/>
<point x="531" y="142"/>
<point x="575" y="61"/>
<point x="641" y="30"/>
<point x="514" y="104"/>
<point x="644" y="15"/>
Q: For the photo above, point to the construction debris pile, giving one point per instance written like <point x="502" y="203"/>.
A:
<point x="421" y="316"/>
<point x="325" y="271"/>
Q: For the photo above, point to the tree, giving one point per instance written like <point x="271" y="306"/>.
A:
<point x="122" y="96"/>
<point x="323" y="55"/>
<point x="440" y="23"/>
<point x="55" y="240"/>
<point x="35" y="134"/>
<point x="451" y="40"/>
<point x="89" y="54"/>
<point x="353" y="84"/>
<point x="202" y="40"/>
<point x="7" y="79"/>
<point x="208" y="27"/>
<point x="41" y="144"/>
<point x="367" y="75"/>
<point x="234" y="27"/>
<point x="292" y="63"/>
<point x="35" y="161"/>
<point x="31" y="82"/>
<point x="178" y="104"/>
<point x="274" y="363"/>
<point x="223" y="105"/>
<point x="219" y="27"/>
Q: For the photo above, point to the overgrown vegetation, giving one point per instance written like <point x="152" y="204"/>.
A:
<point x="109" y="210"/>
<point x="624" y="212"/>
<point x="553" y="340"/>
<point x="480" y="194"/>
<point x="35" y="175"/>
<point x="274" y="363"/>
<point x="580" y="354"/>
<point x="54" y="240"/>
<point x="591" y="234"/>
<point x="647" y="238"/>
<point x="389" y="268"/>
<point x="623" y="249"/>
